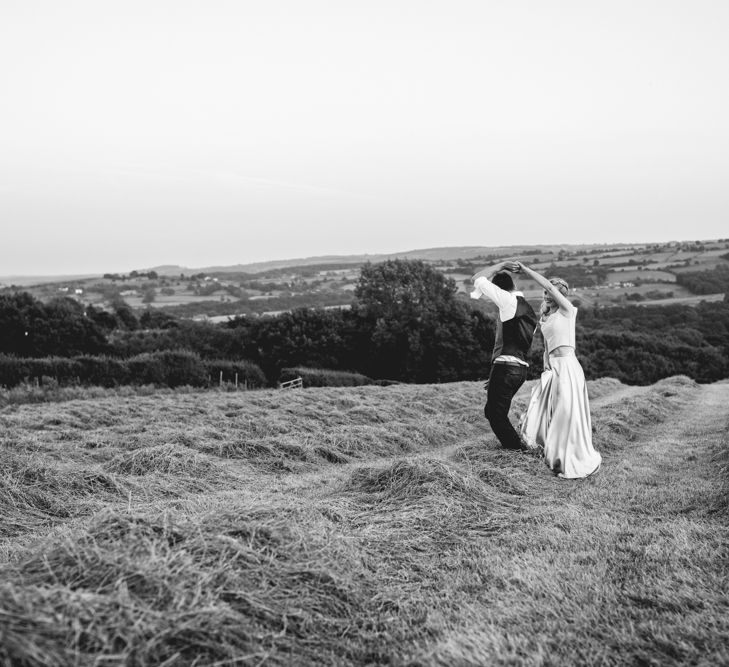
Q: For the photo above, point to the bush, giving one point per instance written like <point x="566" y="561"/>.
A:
<point x="146" y="368"/>
<point x="248" y="373"/>
<point x="181" y="367"/>
<point x="102" y="371"/>
<point x="171" y="368"/>
<point x="14" y="371"/>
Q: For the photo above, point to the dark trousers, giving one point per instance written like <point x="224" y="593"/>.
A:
<point x="504" y="382"/>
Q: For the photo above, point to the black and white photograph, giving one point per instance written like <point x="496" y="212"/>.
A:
<point x="347" y="334"/>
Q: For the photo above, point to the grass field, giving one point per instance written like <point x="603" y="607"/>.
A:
<point x="360" y="526"/>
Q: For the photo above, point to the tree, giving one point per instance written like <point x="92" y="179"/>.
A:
<point x="60" y="327"/>
<point x="65" y="330"/>
<point x="154" y="319"/>
<point x="124" y="314"/>
<point x="16" y="313"/>
<point x="106" y="321"/>
<point x="412" y="327"/>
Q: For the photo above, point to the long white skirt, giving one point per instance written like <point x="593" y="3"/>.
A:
<point x="558" y="419"/>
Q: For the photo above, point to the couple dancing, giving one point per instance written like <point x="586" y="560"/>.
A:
<point x="558" y="416"/>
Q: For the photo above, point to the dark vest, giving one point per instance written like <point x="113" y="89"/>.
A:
<point x="514" y="337"/>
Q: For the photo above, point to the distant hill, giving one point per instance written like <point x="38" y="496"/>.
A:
<point x="24" y="281"/>
<point x="449" y="253"/>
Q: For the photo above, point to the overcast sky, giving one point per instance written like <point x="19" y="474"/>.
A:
<point x="138" y="133"/>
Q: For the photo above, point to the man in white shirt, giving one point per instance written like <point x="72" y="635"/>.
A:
<point x="514" y="332"/>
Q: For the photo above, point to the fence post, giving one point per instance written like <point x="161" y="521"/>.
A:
<point x="236" y="380"/>
<point x="221" y="379"/>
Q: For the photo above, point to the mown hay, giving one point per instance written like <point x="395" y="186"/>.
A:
<point x="315" y="440"/>
<point x="603" y="387"/>
<point x="145" y="590"/>
<point x="366" y="441"/>
<point x="506" y="483"/>
<point x="409" y="480"/>
<point x="171" y="459"/>
<point x="410" y="504"/>
<point x="33" y="493"/>
<point x="56" y="626"/>
<point x="331" y="455"/>
<point x="269" y="454"/>
<point x="24" y="509"/>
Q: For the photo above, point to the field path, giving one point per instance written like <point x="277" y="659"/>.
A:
<point x="672" y="463"/>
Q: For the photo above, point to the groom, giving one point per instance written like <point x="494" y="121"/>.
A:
<point x="514" y="332"/>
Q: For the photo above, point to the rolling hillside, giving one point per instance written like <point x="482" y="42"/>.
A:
<point x="371" y="525"/>
<point x="605" y="275"/>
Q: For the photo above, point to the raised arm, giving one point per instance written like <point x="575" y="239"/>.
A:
<point x="489" y="272"/>
<point x="562" y="301"/>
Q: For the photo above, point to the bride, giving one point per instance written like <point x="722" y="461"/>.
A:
<point x="558" y="416"/>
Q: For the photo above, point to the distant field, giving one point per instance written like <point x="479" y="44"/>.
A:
<point x="175" y="300"/>
<point x="691" y="300"/>
<point x="338" y="275"/>
<point x="702" y="264"/>
<point x="629" y="275"/>
<point x="360" y="526"/>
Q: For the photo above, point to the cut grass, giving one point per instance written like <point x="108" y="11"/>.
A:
<point x="145" y="590"/>
<point x="392" y="530"/>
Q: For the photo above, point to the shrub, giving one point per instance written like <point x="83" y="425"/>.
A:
<point x="14" y="371"/>
<point x="181" y="367"/>
<point x="145" y="368"/>
<point x="247" y="372"/>
<point x="171" y="368"/>
<point x="102" y="371"/>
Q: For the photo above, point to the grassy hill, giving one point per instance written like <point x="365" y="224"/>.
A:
<point x="369" y="525"/>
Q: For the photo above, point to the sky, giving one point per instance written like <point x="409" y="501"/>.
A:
<point x="215" y="132"/>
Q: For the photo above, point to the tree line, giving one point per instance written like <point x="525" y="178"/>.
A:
<point x="406" y="323"/>
<point x="713" y="281"/>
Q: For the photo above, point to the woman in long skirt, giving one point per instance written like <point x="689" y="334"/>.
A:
<point x="558" y="416"/>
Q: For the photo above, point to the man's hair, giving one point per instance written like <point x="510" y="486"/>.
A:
<point x="503" y="280"/>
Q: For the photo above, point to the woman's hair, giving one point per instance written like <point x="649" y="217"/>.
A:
<point x="561" y="285"/>
<point x="563" y="288"/>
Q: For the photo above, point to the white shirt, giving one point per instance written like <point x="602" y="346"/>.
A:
<point x="506" y="303"/>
